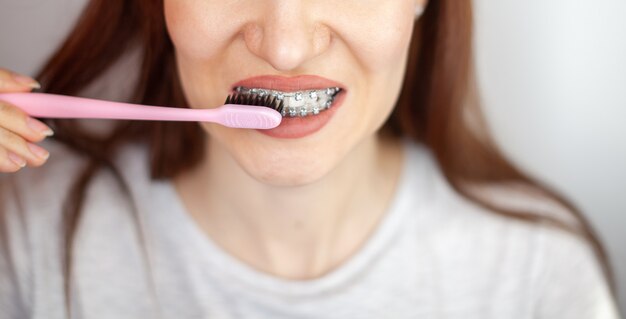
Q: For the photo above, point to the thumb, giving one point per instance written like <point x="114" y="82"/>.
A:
<point x="13" y="82"/>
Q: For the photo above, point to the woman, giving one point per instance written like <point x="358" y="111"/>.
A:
<point x="391" y="203"/>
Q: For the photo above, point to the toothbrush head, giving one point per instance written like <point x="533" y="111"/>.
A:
<point x="256" y="100"/>
<point x="251" y="111"/>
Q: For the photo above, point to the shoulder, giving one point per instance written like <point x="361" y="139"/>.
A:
<point x="30" y="216"/>
<point x="570" y="281"/>
<point x="454" y="218"/>
<point x="31" y="222"/>
<point x="43" y="191"/>
<point x="496" y="251"/>
<point x="447" y="211"/>
<point x="33" y="200"/>
<point x="42" y="188"/>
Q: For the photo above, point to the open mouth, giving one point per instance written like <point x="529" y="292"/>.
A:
<point x="297" y="103"/>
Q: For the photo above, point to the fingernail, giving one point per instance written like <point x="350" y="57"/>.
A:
<point x="26" y="80"/>
<point x="17" y="159"/>
<point x="39" y="127"/>
<point x="38" y="150"/>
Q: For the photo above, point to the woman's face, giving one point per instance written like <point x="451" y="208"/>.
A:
<point x="361" y="46"/>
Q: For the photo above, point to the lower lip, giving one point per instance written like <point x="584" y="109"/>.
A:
<point x="298" y="127"/>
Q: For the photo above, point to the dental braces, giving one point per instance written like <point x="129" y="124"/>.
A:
<point x="298" y="103"/>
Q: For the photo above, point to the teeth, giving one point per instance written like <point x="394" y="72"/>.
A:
<point x="298" y="103"/>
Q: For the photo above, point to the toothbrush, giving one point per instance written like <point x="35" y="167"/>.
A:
<point x="239" y="111"/>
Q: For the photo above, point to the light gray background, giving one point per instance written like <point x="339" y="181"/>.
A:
<point x="553" y="80"/>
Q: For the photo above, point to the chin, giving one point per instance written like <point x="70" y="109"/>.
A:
<point x="280" y="162"/>
<point x="286" y="170"/>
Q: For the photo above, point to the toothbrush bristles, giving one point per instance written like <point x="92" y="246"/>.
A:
<point x="256" y="100"/>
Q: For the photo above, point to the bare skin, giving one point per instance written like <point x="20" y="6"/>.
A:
<point x="19" y="133"/>
<point x="294" y="232"/>
<point x="294" y="208"/>
<point x="296" y="221"/>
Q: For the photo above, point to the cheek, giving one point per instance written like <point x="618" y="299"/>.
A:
<point x="200" y="36"/>
<point x="196" y="27"/>
<point x="381" y="51"/>
<point x="380" y="41"/>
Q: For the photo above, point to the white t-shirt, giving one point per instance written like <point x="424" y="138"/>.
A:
<point x="433" y="255"/>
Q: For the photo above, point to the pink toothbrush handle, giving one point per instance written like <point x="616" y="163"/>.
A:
<point x="47" y="105"/>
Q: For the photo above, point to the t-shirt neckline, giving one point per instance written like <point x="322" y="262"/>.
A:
<point x="252" y="278"/>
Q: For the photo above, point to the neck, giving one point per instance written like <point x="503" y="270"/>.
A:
<point x="270" y="228"/>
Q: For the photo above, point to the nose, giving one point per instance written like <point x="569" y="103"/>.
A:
<point x="286" y="34"/>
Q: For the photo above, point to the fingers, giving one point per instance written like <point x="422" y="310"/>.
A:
<point x="15" y="152"/>
<point x="18" y="133"/>
<point x="17" y="121"/>
<point x="13" y="82"/>
<point x="10" y="162"/>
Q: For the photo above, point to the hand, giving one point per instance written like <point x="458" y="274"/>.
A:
<point x="18" y="131"/>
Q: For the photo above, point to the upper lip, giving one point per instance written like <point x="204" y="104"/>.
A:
<point x="288" y="84"/>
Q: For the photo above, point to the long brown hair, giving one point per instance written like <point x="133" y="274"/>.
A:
<point x="432" y="108"/>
